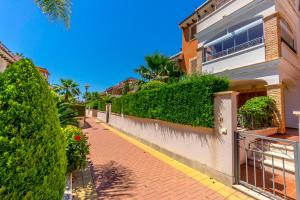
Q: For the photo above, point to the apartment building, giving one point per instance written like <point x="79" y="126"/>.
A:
<point x="255" y="43"/>
<point x="6" y="57"/>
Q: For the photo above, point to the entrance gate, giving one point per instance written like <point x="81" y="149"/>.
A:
<point x="269" y="166"/>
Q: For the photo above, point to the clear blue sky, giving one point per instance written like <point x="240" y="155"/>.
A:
<point x="107" y="39"/>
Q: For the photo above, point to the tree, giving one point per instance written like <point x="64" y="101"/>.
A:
<point x="159" y="67"/>
<point x="93" y="96"/>
<point x="68" y="88"/>
<point x="32" y="147"/>
<point x="56" y="9"/>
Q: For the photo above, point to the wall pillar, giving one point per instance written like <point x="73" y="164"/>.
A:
<point x="276" y="92"/>
<point x="297" y="113"/>
<point x="107" y="112"/>
<point x="272" y="36"/>
<point x="225" y="108"/>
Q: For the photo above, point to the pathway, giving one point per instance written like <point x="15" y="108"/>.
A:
<point x="123" y="168"/>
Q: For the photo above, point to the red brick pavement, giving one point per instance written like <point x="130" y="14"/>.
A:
<point x="121" y="170"/>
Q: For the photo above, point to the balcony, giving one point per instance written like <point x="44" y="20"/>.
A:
<point x="234" y="49"/>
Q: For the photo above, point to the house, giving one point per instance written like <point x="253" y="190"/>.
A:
<point x="120" y="87"/>
<point x="255" y="43"/>
<point x="7" y="58"/>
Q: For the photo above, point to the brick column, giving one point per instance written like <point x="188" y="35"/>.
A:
<point x="199" y="59"/>
<point x="272" y="36"/>
<point x="276" y="92"/>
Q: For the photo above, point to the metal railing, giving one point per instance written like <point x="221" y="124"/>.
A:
<point x="252" y="154"/>
<point x="234" y="49"/>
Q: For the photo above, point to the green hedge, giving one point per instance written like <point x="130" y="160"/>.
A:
<point x="92" y="104"/>
<point x="258" y="112"/>
<point x="80" y="109"/>
<point x="153" y="85"/>
<point x="32" y="146"/>
<point x="187" y="102"/>
<point x="102" y="105"/>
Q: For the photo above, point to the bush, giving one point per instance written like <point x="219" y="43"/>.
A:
<point x="258" y="112"/>
<point x="77" y="148"/>
<point x="102" y="105"/>
<point x="153" y="85"/>
<point x="32" y="146"/>
<point x="80" y="109"/>
<point x="190" y="102"/>
<point x="93" y="104"/>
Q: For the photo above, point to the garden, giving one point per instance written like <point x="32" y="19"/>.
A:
<point x="41" y="143"/>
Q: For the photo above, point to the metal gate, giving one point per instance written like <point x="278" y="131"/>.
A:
<point x="269" y="166"/>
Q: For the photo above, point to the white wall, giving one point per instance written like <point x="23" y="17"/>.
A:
<point x="206" y="149"/>
<point x="236" y="60"/>
<point x="101" y="116"/>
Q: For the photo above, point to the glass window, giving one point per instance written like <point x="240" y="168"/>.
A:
<point x="241" y="38"/>
<point x="256" y="32"/>
<point x="193" y="31"/>
<point x="228" y="44"/>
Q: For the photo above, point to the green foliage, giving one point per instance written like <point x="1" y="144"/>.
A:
<point x="153" y="85"/>
<point x="79" y="109"/>
<point x="190" y="102"/>
<point x="56" y="9"/>
<point x="32" y="146"/>
<point x="159" y="67"/>
<point x="77" y="148"/>
<point x="258" y="112"/>
<point x="67" y="116"/>
<point x="101" y="105"/>
<point x="93" y="104"/>
<point x="68" y="88"/>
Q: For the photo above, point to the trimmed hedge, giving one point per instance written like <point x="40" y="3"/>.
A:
<point x="93" y="104"/>
<point x="102" y="105"/>
<point x="188" y="102"/>
<point x="258" y="112"/>
<point x="80" y="109"/>
<point x="32" y="146"/>
<point x="153" y="85"/>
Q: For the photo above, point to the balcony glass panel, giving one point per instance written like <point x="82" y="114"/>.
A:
<point x="243" y="40"/>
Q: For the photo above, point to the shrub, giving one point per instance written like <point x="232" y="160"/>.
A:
<point x="80" y="109"/>
<point x="102" y="105"/>
<point x="93" y="104"/>
<point x="32" y="146"/>
<point x="258" y="112"/>
<point x="153" y="85"/>
<point x="77" y="148"/>
<point x="190" y="102"/>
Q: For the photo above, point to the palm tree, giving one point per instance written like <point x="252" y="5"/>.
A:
<point x="68" y="88"/>
<point x="67" y="116"/>
<point x="159" y="67"/>
<point x="56" y="9"/>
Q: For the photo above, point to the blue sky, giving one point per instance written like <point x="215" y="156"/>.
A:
<point x="107" y="39"/>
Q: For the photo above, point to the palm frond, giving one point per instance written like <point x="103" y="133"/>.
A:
<point x="56" y="9"/>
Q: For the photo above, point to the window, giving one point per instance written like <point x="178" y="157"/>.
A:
<point x="193" y="31"/>
<point x="236" y="40"/>
<point x="287" y="34"/>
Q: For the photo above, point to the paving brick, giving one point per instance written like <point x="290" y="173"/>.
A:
<point x="122" y="170"/>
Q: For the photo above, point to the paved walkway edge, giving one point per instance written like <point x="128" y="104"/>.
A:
<point x="214" y="185"/>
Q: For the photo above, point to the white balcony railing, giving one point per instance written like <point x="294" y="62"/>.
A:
<point x="234" y="49"/>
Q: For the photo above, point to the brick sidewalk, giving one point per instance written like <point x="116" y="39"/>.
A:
<point x="121" y="170"/>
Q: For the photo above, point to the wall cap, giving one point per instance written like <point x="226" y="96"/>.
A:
<point x="227" y="93"/>
<point x="276" y="14"/>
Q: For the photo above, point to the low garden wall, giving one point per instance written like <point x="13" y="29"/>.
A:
<point x="206" y="149"/>
<point x="101" y="115"/>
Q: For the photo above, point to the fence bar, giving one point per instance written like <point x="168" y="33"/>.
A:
<point x="263" y="163"/>
<point x="273" y="175"/>
<point x="254" y="168"/>
<point x="284" y="181"/>
<point x="297" y="168"/>
<point x="247" y="180"/>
